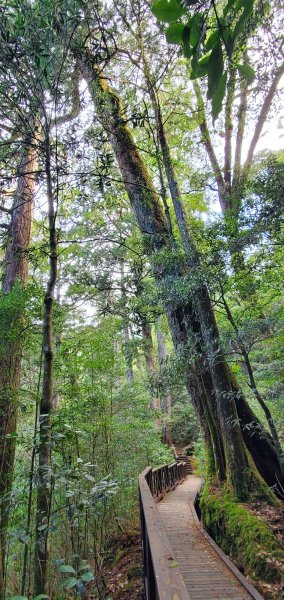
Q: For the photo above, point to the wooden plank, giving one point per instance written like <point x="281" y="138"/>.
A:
<point x="250" y="588"/>
<point x="175" y="538"/>
<point x="169" y="581"/>
<point x="208" y="573"/>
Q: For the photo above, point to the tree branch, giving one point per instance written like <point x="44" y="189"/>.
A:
<point x="242" y="111"/>
<point x="229" y="130"/>
<point x="260" y="122"/>
<point x="206" y="140"/>
<point x="76" y="103"/>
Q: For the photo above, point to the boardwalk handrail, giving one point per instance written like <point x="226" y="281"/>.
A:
<point x="163" y="579"/>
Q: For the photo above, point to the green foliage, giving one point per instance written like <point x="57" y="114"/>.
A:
<point x="185" y="427"/>
<point x="247" y="72"/>
<point x="208" y="51"/>
<point x="103" y="436"/>
<point x="174" y="33"/>
<point x="83" y="576"/>
<point x="167" y="10"/>
<point x="219" y="95"/>
<point x="38" y="597"/>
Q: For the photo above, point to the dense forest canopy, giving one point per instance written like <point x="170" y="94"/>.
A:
<point x="142" y="268"/>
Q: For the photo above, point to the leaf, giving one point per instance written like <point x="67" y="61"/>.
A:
<point x="89" y="477"/>
<point x="69" y="494"/>
<point x="213" y="40"/>
<point x="240" y="25"/>
<point x="187" y="50"/>
<point x="247" y="72"/>
<point x="42" y="527"/>
<point x="25" y="538"/>
<point x="199" y="68"/>
<point x="86" y="577"/>
<point x="174" y="564"/>
<point x="228" y="6"/>
<point x="174" y="33"/>
<point x="83" y="566"/>
<point x="194" y="35"/>
<point x="186" y="34"/>
<point x="215" y="69"/>
<point x="66" y="569"/>
<point x="18" y="598"/>
<point x="194" y="25"/>
<point x="167" y="10"/>
<point x="218" y="97"/>
<point x="40" y="597"/>
<point x="69" y="583"/>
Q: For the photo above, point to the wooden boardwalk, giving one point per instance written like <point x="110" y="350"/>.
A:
<point x="207" y="573"/>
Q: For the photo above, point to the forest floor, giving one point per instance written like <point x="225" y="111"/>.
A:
<point x="124" y="579"/>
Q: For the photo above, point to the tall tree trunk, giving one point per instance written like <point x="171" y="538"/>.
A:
<point x="15" y="271"/>
<point x="234" y="449"/>
<point x="128" y="357"/>
<point x="150" y="360"/>
<point x="185" y="332"/>
<point x="45" y="408"/>
<point x="166" y="399"/>
<point x="126" y="328"/>
<point x="151" y="220"/>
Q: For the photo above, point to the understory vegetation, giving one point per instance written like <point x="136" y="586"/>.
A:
<point x="141" y="307"/>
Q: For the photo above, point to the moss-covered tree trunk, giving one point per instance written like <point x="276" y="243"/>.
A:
<point x="181" y="316"/>
<point x="15" y="272"/>
<point x="152" y="222"/>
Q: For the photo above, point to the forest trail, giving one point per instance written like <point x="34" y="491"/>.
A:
<point x="205" y="573"/>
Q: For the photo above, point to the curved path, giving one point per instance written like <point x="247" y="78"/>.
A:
<point x="208" y="574"/>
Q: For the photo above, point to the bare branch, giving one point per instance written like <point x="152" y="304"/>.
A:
<point x="261" y="120"/>
<point x="5" y="210"/>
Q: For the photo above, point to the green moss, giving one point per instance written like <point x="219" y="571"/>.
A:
<point x="248" y="539"/>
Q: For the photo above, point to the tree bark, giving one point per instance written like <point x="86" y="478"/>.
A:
<point x="15" y="271"/>
<point x="45" y="408"/>
<point x="166" y="398"/>
<point x="150" y="360"/>
<point x="259" y="443"/>
<point x="126" y="329"/>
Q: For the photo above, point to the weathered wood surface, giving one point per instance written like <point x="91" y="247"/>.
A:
<point x="208" y="574"/>
<point x="163" y="580"/>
